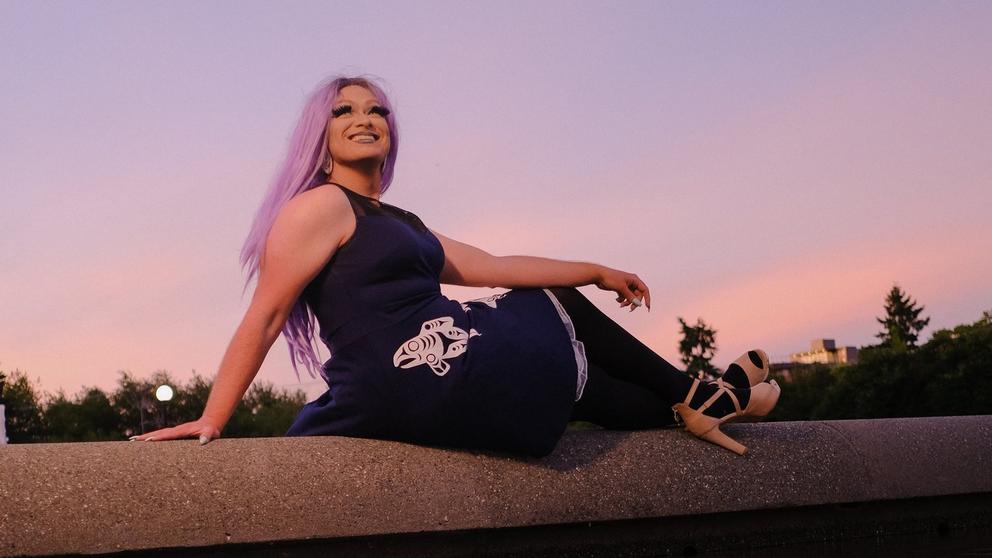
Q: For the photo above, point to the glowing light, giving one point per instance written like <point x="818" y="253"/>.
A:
<point x="163" y="393"/>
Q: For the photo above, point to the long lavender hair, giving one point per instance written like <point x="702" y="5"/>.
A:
<point x="302" y="170"/>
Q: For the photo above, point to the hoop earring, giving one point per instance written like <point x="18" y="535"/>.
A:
<point x="328" y="165"/>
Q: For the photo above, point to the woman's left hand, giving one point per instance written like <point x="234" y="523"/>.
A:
<point x="201" y="428"/>
<point x="628" y="285"/>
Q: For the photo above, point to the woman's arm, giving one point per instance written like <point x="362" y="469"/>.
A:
<point x="467" y="265"/>
<point x="520" y="272"/>
<point x="304" y="236"/>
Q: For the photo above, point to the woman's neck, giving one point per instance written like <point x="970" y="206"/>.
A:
<point x="362" y="181"/>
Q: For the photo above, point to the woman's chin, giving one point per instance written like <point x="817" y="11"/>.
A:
<point x="370" y="162"/>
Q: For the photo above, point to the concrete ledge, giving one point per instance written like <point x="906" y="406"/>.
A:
<point x="116" y="496"/>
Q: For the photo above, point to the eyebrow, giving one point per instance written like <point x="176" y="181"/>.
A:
<point x="349" y="101"/>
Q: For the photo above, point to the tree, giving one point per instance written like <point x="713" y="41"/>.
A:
<point x="132" y="408"/>
<point x="265" y="411"/>
<point x="190" y="400"/>
<point x="902" y="321"/>
<point x="136" y="405"/>
<point x="807" y="384"/>
<point x="947" y="375"/>
<point x="697" y="347"/>
<point x="23" y="409"/>
<point x="88" y="417"/>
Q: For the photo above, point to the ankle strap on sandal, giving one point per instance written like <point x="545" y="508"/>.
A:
<point x="721" y="388"/>
<point x="720" y="391"/>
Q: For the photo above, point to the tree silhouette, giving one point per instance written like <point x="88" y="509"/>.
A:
<point x="88" y="417"/>
<point x="947" y="375"/>
<point x="24" y="409"/>
<point x="902" y="323"/>
<point x="697" y="347"/>
<point x="132" y="408"/>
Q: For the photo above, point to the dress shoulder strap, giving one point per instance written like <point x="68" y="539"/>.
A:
<point x="362" y="205"/>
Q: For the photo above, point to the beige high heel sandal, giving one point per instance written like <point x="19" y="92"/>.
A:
<point x="763" y="398"/>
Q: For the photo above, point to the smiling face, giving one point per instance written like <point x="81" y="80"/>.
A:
<point x="357" y="132"/>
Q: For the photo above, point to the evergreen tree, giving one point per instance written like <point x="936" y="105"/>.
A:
<point x="902" y="321"/>
<point x="697" y="347"/>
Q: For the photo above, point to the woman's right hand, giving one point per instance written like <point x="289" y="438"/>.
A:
<point x="201" y="428"/>
<point x="628" y="287"/>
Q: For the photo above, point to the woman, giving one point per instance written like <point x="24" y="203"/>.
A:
<point x="506" y="372"/>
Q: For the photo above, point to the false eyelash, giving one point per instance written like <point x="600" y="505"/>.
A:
<point x="341" y="110"/>
<point x="381" y="111"/>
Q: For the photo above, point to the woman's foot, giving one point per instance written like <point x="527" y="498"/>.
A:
<point x="723" y="398"/>
<point x="704" y="412"/>
<point x="750" y="369"/>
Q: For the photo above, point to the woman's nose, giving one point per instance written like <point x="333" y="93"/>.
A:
<point x="363" y="119"/>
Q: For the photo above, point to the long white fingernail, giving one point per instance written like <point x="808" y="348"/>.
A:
<point x="204" y="439"/>
<point x="150" y="439"/>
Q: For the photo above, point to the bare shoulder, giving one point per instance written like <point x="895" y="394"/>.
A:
<point x="322" y="201"/>
<point x="323" y="212"/>
<point x="305" y="234"/>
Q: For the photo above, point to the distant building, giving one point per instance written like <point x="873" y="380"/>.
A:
<point x="821" y="351"/>
<point x="825" y="351"/>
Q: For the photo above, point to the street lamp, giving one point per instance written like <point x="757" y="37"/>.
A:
<point x="164" y="394"/>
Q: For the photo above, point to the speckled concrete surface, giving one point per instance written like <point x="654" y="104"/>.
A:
<point x="104" y="497"/>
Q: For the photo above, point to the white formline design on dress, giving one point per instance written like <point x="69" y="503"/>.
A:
<point x="581" y="362"/>
<point x="488" y="301"/>
<point x="428" y="347"/>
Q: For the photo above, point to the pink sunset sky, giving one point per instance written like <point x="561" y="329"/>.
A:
<point x="770" y="167"/>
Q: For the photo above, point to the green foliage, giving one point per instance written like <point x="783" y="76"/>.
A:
<point x="188" y="403"/>
<point x="135" y="403"/>
<point x="949" y="375"/>
<point x="963" y="384"/>
<point x="23" y="409"/>
<point x="132" y="408"/>
<point x="90" y="417"/>
<point x="264" y="412"/>
<point x="140" y="411"/>
<point x="697" y="347"/>
<point x="802" y="398"/>
<point x="902" y="323"/>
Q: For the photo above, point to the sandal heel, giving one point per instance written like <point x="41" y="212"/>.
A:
<point x="707" y="428"/>
<point x="717" y="437"/>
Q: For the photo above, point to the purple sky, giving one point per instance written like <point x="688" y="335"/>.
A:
<point x="772" y="168"/>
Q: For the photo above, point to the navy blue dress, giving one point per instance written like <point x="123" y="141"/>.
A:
<point x="409" y="364"/>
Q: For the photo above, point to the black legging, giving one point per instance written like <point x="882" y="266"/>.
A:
<point x="629" y="386"/>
